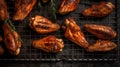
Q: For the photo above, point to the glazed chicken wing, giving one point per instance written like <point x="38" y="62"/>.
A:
<point x="11" y="39"/>
<point x="49" y="44"/>
<point x="23" y="8"/>
<point x="45" y="1"/>
<point x="42" y="25"/>
<point x="99" y="10"/>
<point x="102" y="45"/>
<point x="100" y="31"/>
<point x="1" y="38"/>
<point x="74" y="33"/>
<point x="1" y="47"/>
<point x="3" y="10"/>
<point x="68" y="6"/>
<point x="1" y="50"/>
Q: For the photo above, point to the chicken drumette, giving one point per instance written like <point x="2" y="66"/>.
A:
<point x="49" y="44"/>
<point x="23" y="8"/>
<point x="100" y="31"/>
<point x="74" y="33"/>
<point x="3" y="10"/>
<point x="11" y="39"/>
<point x="101" y="9"/>
<point x="102" y="45"/>
<point x="1" y="38"/>
<point x="1" y="47"/>
<point x="68" y="6"/>
<point x="42" y="25"/>
<point x="2" y="51"/>
<point x="45" y="1"/>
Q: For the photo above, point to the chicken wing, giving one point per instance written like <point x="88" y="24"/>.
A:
<point x="102" y="45"/>
<point x="74" y="33"/>
<point x="2" y="51"/>
<point x="100" y="31"/>
<point x="68" y="6"/>
<point x="42" y="25"/>
<point x="3" y="10"/>
<point x="49" y="44"/>
<point x="11" y="39"/>
<point x="23" y="8"/>
<point x="1" y="38"/>
<point x="45" y="1"/>
<point x="99" y="10"/>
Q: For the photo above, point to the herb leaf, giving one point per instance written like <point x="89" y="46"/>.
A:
<point x="52" y="3"/>
<point x="12" y="25"/>
<point x="39" y="4"/>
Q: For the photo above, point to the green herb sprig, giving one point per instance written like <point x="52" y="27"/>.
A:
<point x="13" y="27"/>
<point x="52" y="3"/>
<point x="39" y="4"/>
<point x="11" y="24"/>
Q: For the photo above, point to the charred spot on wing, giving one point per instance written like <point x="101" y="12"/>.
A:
<point x="42" y="26"/>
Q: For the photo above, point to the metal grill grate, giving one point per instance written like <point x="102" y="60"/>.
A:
<point x="71" y="51"/>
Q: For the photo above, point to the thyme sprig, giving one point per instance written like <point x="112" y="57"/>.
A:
<point x="52" y="3"/>
<point x="13" y="27"/>
<point x="39" y="4"/>
<point x="11" y="24"/>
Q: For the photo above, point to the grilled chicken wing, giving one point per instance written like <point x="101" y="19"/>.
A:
<point x="102" y="45"/>
<point x="74" y="33"/>
<point x="23" y="8"/>
<point x="11" y="39"/>
<point x="45" y="1"/>
<point x="3" y="10"/>
<point x="1" y="38"/>
<point x="1" y="50"/>
<point x="49" y="44"/>
<point x="100" y="31"/>
<point x="42" y="25"/>
<point x="68" y="6"/>
<point x="99" y="10"/>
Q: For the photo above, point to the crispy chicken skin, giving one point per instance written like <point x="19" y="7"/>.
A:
<point x="101" y="9"/>
<point x="3" y="10"/>
<point x="2" y="51"/>
<point x="42" y="25"/>
<point x="74" y="33"/>
<point x="45" y="1"/>
<point x="68" y="6"/>
<point x="102" y="45"/>
<point x="23" y="8"/>
<point x="49" y="44"/>
<point x="100" y="31"/>
<point x="11" y="39"/>
<point x="1" y="39"/>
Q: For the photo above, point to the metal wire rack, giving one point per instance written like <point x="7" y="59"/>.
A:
<point x="71" y="51"/>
